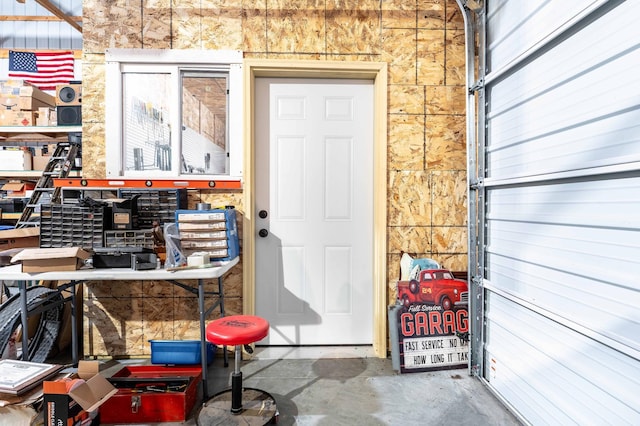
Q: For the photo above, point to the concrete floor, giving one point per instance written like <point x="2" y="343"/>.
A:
<point x="346" y="386"/>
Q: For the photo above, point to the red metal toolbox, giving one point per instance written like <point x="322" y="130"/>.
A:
<point x="151" y="393"/>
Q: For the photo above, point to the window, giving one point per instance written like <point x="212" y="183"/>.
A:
<point x="173" y="113"/>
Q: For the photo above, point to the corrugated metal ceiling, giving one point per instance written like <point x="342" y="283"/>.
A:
<point x="40" y="24"/>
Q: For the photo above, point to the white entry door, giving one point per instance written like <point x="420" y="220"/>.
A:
<point x="314" y="210"/>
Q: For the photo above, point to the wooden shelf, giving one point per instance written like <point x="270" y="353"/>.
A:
<point x="16" y="216"/>
<point x="36" y="133"/>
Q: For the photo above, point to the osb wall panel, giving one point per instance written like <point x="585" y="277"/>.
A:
<point x="93" y="94"/>
<point x="93" y="157"/>
<point x="430" y="54"/>
<point x="431" y="14"/>
<point x="120" y="318"/>
<point x="353" y="27"/>
<point x="156" y="24"/>
<point x="400" y="54"/>
<point x="406" y="99"/>
<point x="254" y="29"/>
<point x="448" y="196"/>
<point x="445" y="142"/>
<point x="186" y="28"/>
<point x="421" y="41"/>
<point x="399" y="14"/>
<point x="222" y="25"/>
<point x="296" y="26"/>
<point x="115" y="23"/>
<point x="409" y="199"/>
<point x="455" y="68"/>
<point x="406" y="142"/>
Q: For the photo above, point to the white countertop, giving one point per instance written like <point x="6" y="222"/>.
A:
<point x="216" y="270"/>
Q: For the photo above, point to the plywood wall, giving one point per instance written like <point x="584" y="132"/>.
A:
<point x="422" y="41"/>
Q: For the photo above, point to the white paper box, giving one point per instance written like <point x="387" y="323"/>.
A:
<point x="15" y="159"/>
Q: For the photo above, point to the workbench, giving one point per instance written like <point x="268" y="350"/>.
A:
<point x="215" y="271"/>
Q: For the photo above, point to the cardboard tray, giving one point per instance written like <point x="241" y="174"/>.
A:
<point x="51" y="259"/>
<point x="19" y="238"/>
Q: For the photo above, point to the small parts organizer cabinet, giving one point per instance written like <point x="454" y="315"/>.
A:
<point x="156" y="204"/>
<point x="212" y="231"/>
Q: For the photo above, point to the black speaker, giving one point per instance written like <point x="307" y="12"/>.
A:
<point x="69" y="94"/>
<point x="69" y="115"/>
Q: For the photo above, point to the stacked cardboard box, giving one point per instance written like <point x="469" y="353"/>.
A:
<point x="47" y="116"/>
<point x="21" y="102"/>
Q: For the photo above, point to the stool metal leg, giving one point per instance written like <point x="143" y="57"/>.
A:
<point x="236" y="383"/>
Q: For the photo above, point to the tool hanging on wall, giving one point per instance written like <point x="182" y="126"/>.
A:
<point x="59" y="165"/>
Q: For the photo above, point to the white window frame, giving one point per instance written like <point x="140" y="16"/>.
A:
<point x="120" y="61"/>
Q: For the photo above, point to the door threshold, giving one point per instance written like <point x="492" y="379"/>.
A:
<point x="313" y="352"/>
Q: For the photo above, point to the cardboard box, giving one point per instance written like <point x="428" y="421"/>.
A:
<point x="17" y="238"/>
<point x="18" y="118"/>
<point x="9" y="102"/>
<point x="21" y="103"/>
<point x="45" y="115"/>
<point x="26" y="103"/>
<point x="15" y="159"/>
<point x="71" y="403"/>
<point x="51" y="259"/>
<point x="36" y="95"/>
<point x="18" y="95"/>
<point x="164" y="394"/>
<point x="11" y="86"/>
<point x="39" y="162"/>
<point x="18" y="188"/>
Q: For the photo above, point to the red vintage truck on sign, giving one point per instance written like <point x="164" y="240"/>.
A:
<point x="434" y="286"/>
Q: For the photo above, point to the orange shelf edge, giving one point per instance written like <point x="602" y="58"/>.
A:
<point x="146" y="183"/>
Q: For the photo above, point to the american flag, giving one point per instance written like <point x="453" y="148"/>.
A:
<point x="44" y="70"/>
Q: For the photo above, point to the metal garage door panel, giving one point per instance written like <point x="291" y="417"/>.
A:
<point x="548" y="371"/>
<point x="528" y="22"/>
<point x="571" y="108"/>
<point x="546" y="246"/>
<point x="558" y="195"/>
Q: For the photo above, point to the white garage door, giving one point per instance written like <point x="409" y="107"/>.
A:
<point x="555" y="178"/>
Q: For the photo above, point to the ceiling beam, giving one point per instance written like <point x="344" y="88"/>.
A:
<point x="77" y="54"/>
<point x="57" y="12"/>
<point x="36" y="18"/>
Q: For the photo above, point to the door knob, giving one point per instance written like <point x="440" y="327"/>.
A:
<point x="263" y="233"/>
<point x="263" y="214"/>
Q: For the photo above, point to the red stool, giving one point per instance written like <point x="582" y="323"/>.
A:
<point x="238" y="331"/>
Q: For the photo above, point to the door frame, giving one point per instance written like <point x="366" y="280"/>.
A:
<point x="375" y="71"/>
